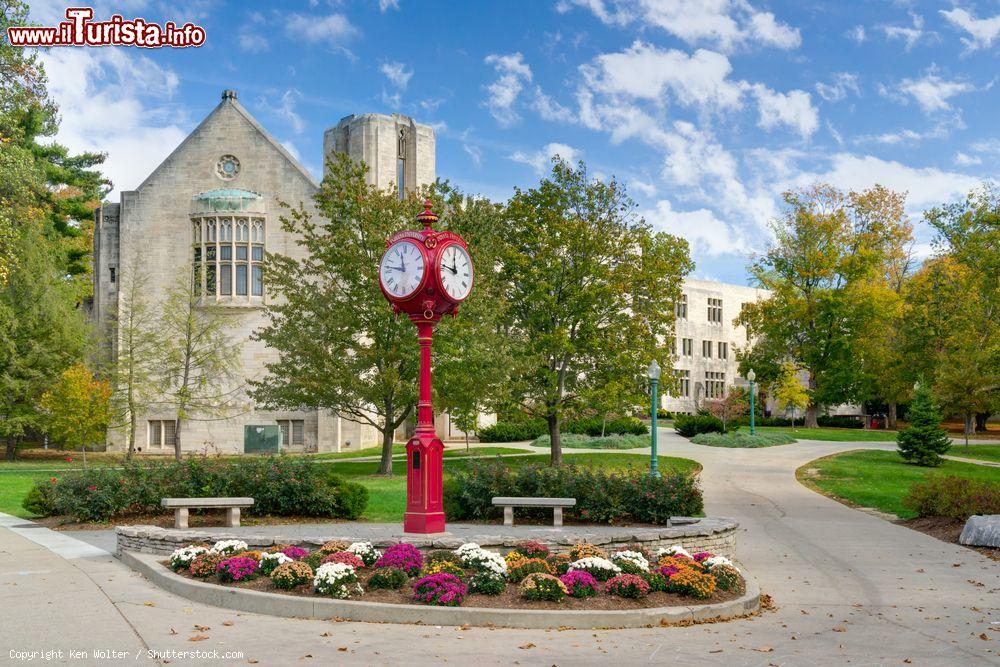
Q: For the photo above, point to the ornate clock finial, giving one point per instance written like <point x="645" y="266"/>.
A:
<point x="428" y="217"/>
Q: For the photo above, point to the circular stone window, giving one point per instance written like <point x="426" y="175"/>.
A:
<point x="227" y="168"/>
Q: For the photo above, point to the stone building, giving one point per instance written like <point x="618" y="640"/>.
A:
<point x="214" y="202"/>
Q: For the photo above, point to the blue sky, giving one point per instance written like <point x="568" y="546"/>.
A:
<point x="706" y="109"/>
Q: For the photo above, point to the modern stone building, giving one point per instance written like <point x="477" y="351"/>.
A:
<point x="214" y="203"/>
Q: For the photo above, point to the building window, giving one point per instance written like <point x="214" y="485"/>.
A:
<point x="161" y="432"/>
<point x="715" y="384"/>
<point x="687" y="347"/>
<point x="706" y="349"/>
<point x="683" y="383"/>
<point x="111" y="269"/>
<point x="723" y="350"/>
<point x="715" y="310"/>
<point x="292" y="431"/>
<point x="228" y="257"/>
<point x="681" y="307"/>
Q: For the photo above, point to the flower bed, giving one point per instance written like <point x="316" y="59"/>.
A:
<point x="474" y="577"/>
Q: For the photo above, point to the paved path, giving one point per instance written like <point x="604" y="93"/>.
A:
<point x="849" y="589"/>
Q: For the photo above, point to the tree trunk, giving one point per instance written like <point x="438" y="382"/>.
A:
<point x="554" y="438"/>
<point x="385" y="466"/>
<point x="812" y="412"/>
<point x="981" y="418"/>
<point x="83" y="449"/>
<point x="177" y="438"/>
<point x="131" y="435"/>
<point x="604" y="424"/>
<point x="11" y="453"/>
<point x="891" y="418"/>
<point x="969" y="425"/>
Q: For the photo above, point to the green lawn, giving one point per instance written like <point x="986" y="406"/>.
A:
<point x="880" y="479"/>
<point x="13" y="489"/>
<point x="831" y="434"/>
<point x="980" y="452"/>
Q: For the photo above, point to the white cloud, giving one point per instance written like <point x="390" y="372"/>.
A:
<point x="474" y="152"/>
<point x="249" y="36"/>
<point x="386" y="5"/>
<point x="102" y="110"/>
<point x="793" y="109"/>
<point x="333" y="28"/>
<point x="857" y="34"/>
<point x="551" y="110"/>
<point x="906" y="136"/>
<point x="982" y="32"/>
<point x="540" y="160"/>
<point x="842" y="84"/>
<point x="931" y="91"/>
<point x="966" y="160"/>
<point x="703" y="230"/>
<point x="645" y="72"/>
<point x="910" y="34"/>
<point x="291" y="148"/>
<point x="503" y="93"/>
<point x="397" y="73"/>
<point x="648" y="189"/>
<point x="285" y="109"/>
<point x="724" y="24"/>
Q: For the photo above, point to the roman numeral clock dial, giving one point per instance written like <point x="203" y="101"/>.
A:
<point x="402" y="269"/>
<point x="455" y="272"/>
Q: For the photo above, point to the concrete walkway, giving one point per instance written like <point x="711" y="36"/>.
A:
<point x="849" y="589"/>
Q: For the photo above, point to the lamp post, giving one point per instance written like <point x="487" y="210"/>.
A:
<point x="654" y="379"/>
<point x="751" y="376"/>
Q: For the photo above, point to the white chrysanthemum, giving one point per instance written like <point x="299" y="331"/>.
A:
<point x="719" y="560"/>
<point x="182" y="558"/>
<point x="473" y="556"/>
<point x="278" y="558"/>
<point x="336" y="579"/>
<point x="676" y="550"/>
<point x="226" y="547"/>
<point x="594" y="563"/>
<point x="633" y="557"/>
<point x="366" y="551"/>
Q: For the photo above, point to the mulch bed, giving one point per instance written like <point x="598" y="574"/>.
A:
<point x="509" y="599"/>
<point x="946" y="530"/>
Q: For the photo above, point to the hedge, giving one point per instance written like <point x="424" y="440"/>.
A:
<point x="953" y="497"/>
<point x="514" y="431"/>
<point x="691" y="425"/>
<point x="281" y="485"/>
<point x="602" y="495"/>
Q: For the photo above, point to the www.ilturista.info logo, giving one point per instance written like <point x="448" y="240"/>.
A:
<point x="79" y="30"/>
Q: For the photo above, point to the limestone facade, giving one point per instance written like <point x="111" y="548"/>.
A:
<point x="215" y="200"/>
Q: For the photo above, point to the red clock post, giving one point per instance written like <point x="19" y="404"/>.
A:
<point x="426" y="274"/>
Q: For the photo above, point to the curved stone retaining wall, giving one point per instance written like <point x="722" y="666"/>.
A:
<point x="713" y="534"/>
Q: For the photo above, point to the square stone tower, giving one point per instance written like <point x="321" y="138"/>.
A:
<point x="398" y="151"/>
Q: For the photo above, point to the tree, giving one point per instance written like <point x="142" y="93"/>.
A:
<point x="923" y="441"/>
<point x="733" y="405"/>
<point x="76" y="408"/>
<point x="825" y="270"/>
<point x="134" y="356"/>
<point x="789" y="392"/>
<point x="589" y="290"/>
<point x="41" y="333"/>
<point x="200" y="361"/>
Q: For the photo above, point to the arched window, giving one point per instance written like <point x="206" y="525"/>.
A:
<point x="228" y="245"/>
<point x="227" y="231"/>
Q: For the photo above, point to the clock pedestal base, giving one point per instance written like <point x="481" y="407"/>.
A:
<point x="424" y="501"/>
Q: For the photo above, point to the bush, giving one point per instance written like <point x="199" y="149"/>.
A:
<point x="664" y="414"/>
<point x="404" y="556"/>
<point x="345" y="557"/>
<point x="40" y="500"/>
<point x="658" y="582"/>
<point x="743" y="439"/>
<point x="388" y="578"/>
<point x="953" y="497"/>
<point x="239" y="568"/>
<point x="522" y="568"/>
<point x="559" y="563"/>
<point x="602" y="495"/>
<point x="270" y="562"/>
<point x="627" y="586"/>
<point x="509" y="431"/>
<point x="443" y="566"/>
<point x="593" y="426"/>
<point x="599" y="568"/>
<point x="630" y="562"/>
<point x="204" y="565"/>
<point x="579" y="584"/>
<point x="487" y="583"/>
<point x="578" y="551"/>
<point x="727" y="577"/>
<point x="691" y="425"/>
<point x="691" y="582"/>
<point x="543" y="587"/>
<point x="445" y="590"/>
<point x="532" y="549"/>
<point x="279" y="485"/>
<point x="338" y="580"/>
<point x="291" y="575"/>
<point x="834" y="421"/>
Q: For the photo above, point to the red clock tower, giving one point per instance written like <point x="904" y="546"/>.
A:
<point x="426" y="274"/>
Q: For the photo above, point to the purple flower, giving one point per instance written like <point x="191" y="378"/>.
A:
<point x="441" y="589"/>
<point x="579" y="583"/>
<point x="237" y="569"/>
<point x="667" y="571"/>
<point x="701" y="556"/>
<point x="404" y="556"/>
<point x="295" y="553"/>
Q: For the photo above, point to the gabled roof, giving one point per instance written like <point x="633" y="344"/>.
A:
<point x="229" y="98"/>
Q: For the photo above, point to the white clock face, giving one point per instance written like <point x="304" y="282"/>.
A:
<point x="402" y="269"/>
<point x="455" y="270"/>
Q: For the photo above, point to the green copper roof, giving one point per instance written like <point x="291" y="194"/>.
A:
<point x="226" y="199"/>
<point x="228" y="192"/>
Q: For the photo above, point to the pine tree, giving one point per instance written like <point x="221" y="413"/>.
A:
<point x="923" y="441"/>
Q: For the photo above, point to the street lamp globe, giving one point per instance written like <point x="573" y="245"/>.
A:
<point x="654" y="370"/>
<point x="751" y="375"/>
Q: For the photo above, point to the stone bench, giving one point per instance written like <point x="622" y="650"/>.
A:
<point x="180" y="506"/>
<point x="557" y="505"/>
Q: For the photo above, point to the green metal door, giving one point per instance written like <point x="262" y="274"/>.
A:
<point x="264" y="439"/>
